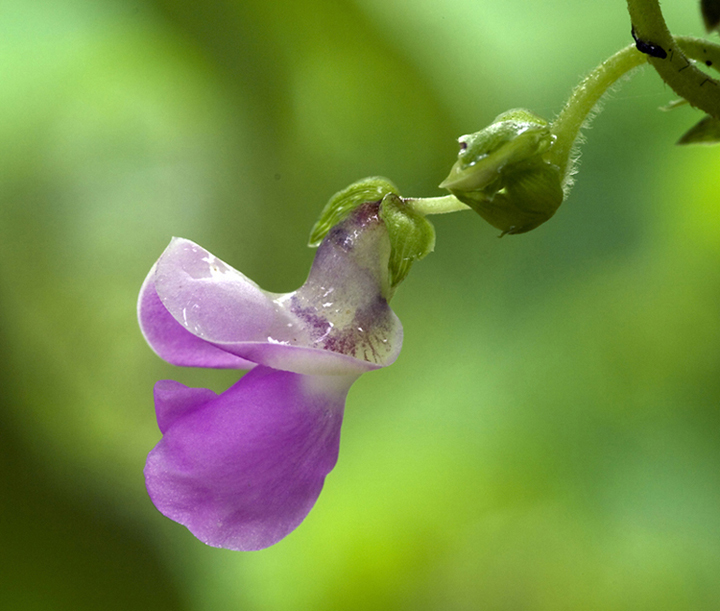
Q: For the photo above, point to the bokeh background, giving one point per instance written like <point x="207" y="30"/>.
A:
<point x="549" y="438"/>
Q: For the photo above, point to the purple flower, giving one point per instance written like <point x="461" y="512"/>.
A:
<point x="242" y="469"/>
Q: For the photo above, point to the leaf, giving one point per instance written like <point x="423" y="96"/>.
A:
<point x="710" y="10"/>
<point x="706" y="131"/>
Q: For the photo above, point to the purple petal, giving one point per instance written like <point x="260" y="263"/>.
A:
<point x="341" y="326"/>
<point x="242" y="470"/>
<point x="211" y="299"/>
<point x="172" y="342"/>
<point x="299" y="359"/>
<point x="195" y="310"/>
<point x="173" y="400"/>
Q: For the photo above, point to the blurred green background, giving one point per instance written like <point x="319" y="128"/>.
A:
<point x="549" y="438"/>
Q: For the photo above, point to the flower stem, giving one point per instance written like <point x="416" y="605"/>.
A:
<point x="583" y="99"/>
<point x="435" y="205"/>
<point x="671" y="63"/>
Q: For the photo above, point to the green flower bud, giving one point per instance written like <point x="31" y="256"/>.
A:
<point x="501" y="173"/>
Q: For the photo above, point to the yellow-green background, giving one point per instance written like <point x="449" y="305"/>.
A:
<point x="549" y="438"/>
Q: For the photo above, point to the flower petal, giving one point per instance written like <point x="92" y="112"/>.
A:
<point x="337" y="323"/>
<point x="209" y="298"/>
<point x="173" y="400"/>
<point x="242" y="470"/>
<point x="298" y="359"/>
<point x="172" y="342"/>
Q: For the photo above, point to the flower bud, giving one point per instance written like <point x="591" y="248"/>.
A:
<point x="501" y="173"/>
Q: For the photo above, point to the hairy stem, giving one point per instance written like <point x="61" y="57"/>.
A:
<point x="584" y="98"/>
<point x="587" y="94"/>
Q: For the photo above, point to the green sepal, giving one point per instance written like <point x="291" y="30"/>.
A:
<point x="706" y="131"/>
<point x="412" y="236"/>
<point x="341" y="204"/>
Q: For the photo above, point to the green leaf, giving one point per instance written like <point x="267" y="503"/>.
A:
<point x="412" y="236"/>
<point x="711" y="14"/>
<point x="341" y="204"/>
<point x="706" y="131"/>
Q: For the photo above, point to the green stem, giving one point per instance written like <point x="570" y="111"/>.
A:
<point x="700" y="50"/>
<point x="587" y="94"/>
<point x="435" y="205"/>
<point x="684" y="78"/>
<point x="583" y="99"/>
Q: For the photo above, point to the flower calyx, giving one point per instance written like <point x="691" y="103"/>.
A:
<point x="502" y="174"/>
<point x="411" y="235"/>
<point x="340" y="205"/>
